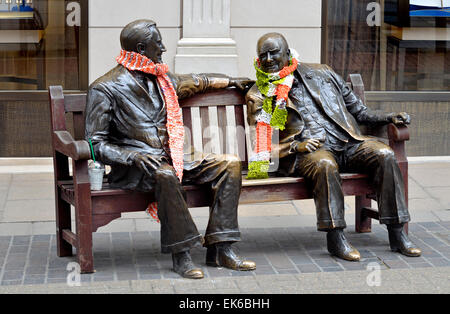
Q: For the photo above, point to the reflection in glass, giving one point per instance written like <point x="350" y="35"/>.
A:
<point x="37" y="47"/>
<point x="400" y="52"/>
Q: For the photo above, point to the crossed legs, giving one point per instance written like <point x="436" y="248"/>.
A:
<point x="178" y="230"/>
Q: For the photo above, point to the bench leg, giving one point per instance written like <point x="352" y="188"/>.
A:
<point x="62" y="208"/>
<point x="63" y="221"/>
<point x="84" y="249"/>
<point x="363" y="223"/>
<point x="84" y="238"/>
<point x="83" y="212"/>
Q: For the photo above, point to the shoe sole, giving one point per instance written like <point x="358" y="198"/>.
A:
<point x="215" y="264"/>
<point x="404" y="253"/>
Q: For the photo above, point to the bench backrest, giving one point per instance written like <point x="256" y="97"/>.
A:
<point x="215" y="122"/>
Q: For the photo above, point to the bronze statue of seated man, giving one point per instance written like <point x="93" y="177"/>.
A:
<point x="318" y="115"/>
<point x="135" y="124"/>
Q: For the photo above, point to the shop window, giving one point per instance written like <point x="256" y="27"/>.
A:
<point x="43" y="43"/>
<point x="397" y="45"/>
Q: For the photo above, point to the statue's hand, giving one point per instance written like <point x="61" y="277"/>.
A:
<point x="147" y="162"/>
<point x="308" y="146"/>
<point x="400" y="118"/>
<point x="242" y="83"/>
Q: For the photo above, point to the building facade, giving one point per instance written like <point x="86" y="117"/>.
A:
<point x="399" y="47"/>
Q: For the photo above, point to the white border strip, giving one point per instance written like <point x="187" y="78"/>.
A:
<point x="26" y="165"/>
<point x="428" y="159"/>
<point x="45" y="164"/>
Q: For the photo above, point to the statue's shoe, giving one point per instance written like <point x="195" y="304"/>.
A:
<point x="183" y="265"/>
<point x="222" y="255"/>
<point x="338" y="245"/>
<point x="400" y="242"/>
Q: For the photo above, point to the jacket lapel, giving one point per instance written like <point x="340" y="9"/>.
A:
<point x="135" y="86"/>
<point x="310" y="83"/>
<point x="138" y="92"/>
<point x="142" y="97"/>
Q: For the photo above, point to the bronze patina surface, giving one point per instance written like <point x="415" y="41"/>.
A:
<point x="322" y="138"/>
<point x="126" y="121"/>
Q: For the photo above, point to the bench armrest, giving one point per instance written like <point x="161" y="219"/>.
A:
<point x="398" y="133"/>
<point x="64" y="143"/>
<point x="391" y="132"/>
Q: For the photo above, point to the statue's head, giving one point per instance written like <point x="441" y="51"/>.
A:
<point x="142" y="36"/>
<point x="273" y="52"/>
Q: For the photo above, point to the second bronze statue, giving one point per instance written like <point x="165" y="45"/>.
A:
<point x="320" y="137"/>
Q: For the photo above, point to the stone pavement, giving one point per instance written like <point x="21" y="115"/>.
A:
<point x="281" y="238"/>
<point x="393" y="281"/>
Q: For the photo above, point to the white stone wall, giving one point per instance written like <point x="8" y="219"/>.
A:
<point x="298" y="20"/>
<point x="108" y="17"/>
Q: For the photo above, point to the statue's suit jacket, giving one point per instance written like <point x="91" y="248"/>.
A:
<point x="332" y="95"/>
<point x="124" y="118"/>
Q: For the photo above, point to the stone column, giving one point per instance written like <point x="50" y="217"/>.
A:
<point x="206" y="45"/>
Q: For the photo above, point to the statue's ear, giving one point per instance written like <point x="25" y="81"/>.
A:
<point x="140" y="48"/>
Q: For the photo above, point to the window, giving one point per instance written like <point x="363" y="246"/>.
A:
<point x="396" y="45"/>
<point x="42" y="43"/>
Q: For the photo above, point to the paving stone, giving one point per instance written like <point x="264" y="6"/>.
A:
<point x="21" y="240"/>
<point x="308" y="268"/>
<point x="97" y="278"/>
<point x="34" y="279"/>
<point x="300" y="259"/>
<point x="279" y="260"/>
<point x="129" y="256"/>
<point x="421" y="265"/>
<point x="12" y="275"/>
<point x="326" y="262"/>
<point x="35" y="270"/>
<point x="397" y="264"/>
<point x="57" y="273"/>
<point x="129" y="275"/>
<point x="11" y="282"/>
<point x="264" y="270"/>
<point x="18" y="249"/>
<point x="439" y="262"/>
<point x="429" y="253"/>
<point x="15" y="266"/>
<point x="57" y="280"/>
<point x="332" y="268"/>
<point x="287" y="271"/>
<point x="241" y="273"/>
<point x="41" y="238"/>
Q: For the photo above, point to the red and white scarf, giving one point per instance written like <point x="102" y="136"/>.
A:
<point x="134" y="61"/>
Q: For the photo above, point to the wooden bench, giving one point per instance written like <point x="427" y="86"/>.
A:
<point x="219" y="110"/>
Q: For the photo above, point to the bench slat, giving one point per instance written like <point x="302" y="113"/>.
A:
<point x="253" y="191"/>
<point x="206" y="130"/>
<point x="241" y="136"/>
<point x="222" y="123"/>
<point x="69" y="236"/>
<point x="75" y="102"/>
<point x="187" y="122"/>
<point x="214" y="98"/>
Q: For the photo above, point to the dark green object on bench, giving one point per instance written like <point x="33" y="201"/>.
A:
<point x="94" y="209"/>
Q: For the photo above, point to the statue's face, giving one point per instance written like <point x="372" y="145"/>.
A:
<point x="273" y="55"/>
<point x="152" y="46"/>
